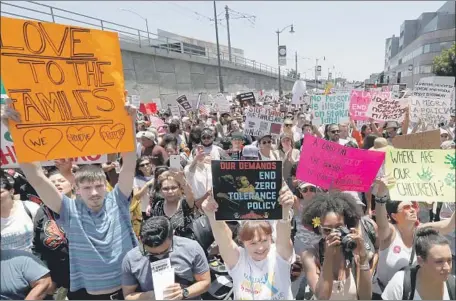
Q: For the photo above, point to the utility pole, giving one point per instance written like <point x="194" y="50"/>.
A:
<point x="227" y="16"/>
<point x="218" y="49"/>
<point x="296" y="64"/>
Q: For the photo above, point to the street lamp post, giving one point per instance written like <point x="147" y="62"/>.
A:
<point x="278" y="55"/>
<point x="145" y="19"/>
<point x="316" y="67"/>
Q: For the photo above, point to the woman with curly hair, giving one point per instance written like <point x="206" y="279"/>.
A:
<point x="177" y="204"/>
<point x="337" y="267"/>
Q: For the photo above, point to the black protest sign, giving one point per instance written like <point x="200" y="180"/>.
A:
<point x="184" y="103"/>
<point x="247" y="190"/>
<point x="248" y="97"/>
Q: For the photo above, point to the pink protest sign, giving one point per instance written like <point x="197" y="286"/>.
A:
<point x="330" y="165"/>
<point x="359" y="102"/>
<point x="155" y="121"/>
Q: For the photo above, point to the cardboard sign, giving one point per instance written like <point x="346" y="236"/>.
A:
<point x="222" y="103"/>
<point x="384" y="108"/>
<point x="67" y="84"/>
<point x="422" y="175"/>
<point x="184" y="103"/>
<point x="260" y="122"/>
<point x="247" y="190"/>
<point x="148" y="108"/>
<point x="331" y="108"/>
<point x="330" y="165"/>
<point x="431" y="100"/>
<point x="359" y="103"/>
<point x="424" y="140"/>
<point x="248" y="97"/>
<point x="8" y="157"/>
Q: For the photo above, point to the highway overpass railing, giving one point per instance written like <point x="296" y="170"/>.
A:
<point x="46" y="13"/>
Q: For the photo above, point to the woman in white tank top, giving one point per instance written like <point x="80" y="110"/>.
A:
<point x="396" y="233"/>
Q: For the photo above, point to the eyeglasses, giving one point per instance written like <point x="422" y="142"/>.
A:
<point x="308" y="189"/>
<point x="158" y="256"/>
<point x="206" y="137"/>
<point x="335" y="132"/>
<point x="266" y="142"/>
<point x="144" y="164"/>
<point x="288" y="125"/>
<point x="170" y="188"/>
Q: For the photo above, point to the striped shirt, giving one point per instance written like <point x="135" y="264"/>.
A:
<point x="98" y="241"/>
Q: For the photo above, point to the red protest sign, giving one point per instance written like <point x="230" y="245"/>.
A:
<point x="148" y="108"/>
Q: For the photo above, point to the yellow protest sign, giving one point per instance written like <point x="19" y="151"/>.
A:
<point x="422" y="175"/>
<point x="67" y="84"/>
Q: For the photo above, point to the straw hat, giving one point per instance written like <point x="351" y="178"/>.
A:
<point x="380" y="145"/>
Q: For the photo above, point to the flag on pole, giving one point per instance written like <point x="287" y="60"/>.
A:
<point x="203" y="110"/>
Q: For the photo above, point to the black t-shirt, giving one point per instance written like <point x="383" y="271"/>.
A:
<point x="181" y="221"/>
<point x="51" y="246"/>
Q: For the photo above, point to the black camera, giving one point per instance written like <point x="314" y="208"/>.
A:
<point x="348" y="244"/>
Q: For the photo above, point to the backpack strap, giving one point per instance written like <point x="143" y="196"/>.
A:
<point x="409" y="284"/>
<point x="27" y="211"/>
<point x="451" y="285"/>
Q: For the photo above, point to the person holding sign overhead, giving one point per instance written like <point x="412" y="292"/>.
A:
<point x="97" y="223"/>
<point x="397" y="223"/>
<point x="260" y="268"/>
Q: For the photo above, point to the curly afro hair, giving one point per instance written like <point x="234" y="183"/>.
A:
<point x="338" y="202"/>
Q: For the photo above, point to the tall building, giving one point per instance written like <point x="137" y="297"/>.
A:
<point x="409" y="57"/>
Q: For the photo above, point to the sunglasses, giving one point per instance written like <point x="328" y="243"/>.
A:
<point x="206" y="137"/>
<point x="308" y="189"/>
<point x="409" y="207"/>
<point x="288" y="125"/>
<point x="161" y="254"/>
<point x="266" y="142"/>
<point x="335" y="132"/>
<point x="144" y="164"/>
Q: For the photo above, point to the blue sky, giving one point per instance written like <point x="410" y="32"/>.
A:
<point x="350" y="34"/>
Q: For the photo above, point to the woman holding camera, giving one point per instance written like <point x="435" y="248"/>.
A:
<point x="337" y="266"/>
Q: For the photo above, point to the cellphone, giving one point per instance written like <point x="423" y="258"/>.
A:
<point x="174" y="162"/>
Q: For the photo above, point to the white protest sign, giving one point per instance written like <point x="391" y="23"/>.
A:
<point x="395" y="91"/>
<point x="385" y="108"/>
<point x="169" y="102"/>
<point x="262" y="121"/>
<point x="162" y="276"/>
<point x="431" y="100"/>
<point x="299" y="91"/>
<point x="223" y="105"/>
<point x="332" y="108"/>
<point x="8" y="157"/>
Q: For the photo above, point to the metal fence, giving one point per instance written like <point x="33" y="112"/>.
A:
<point x="142" y="38"/>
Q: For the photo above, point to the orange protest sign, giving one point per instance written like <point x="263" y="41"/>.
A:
<point x="67" y="84"/>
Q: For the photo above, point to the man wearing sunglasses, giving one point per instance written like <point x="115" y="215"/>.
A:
<point x="333" y="134"/>
<point x="191" y="270"/>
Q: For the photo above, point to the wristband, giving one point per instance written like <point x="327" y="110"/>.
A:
<point x="381" y="200"/>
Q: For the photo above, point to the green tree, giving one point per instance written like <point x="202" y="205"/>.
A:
<point x="445" y="63"/>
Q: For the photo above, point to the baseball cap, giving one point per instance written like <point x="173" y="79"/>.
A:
<point x="147" y="134"/>
<point x="303" y="185"/>
<point x="250" y="151"/>
<point x="237" y="136"/>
